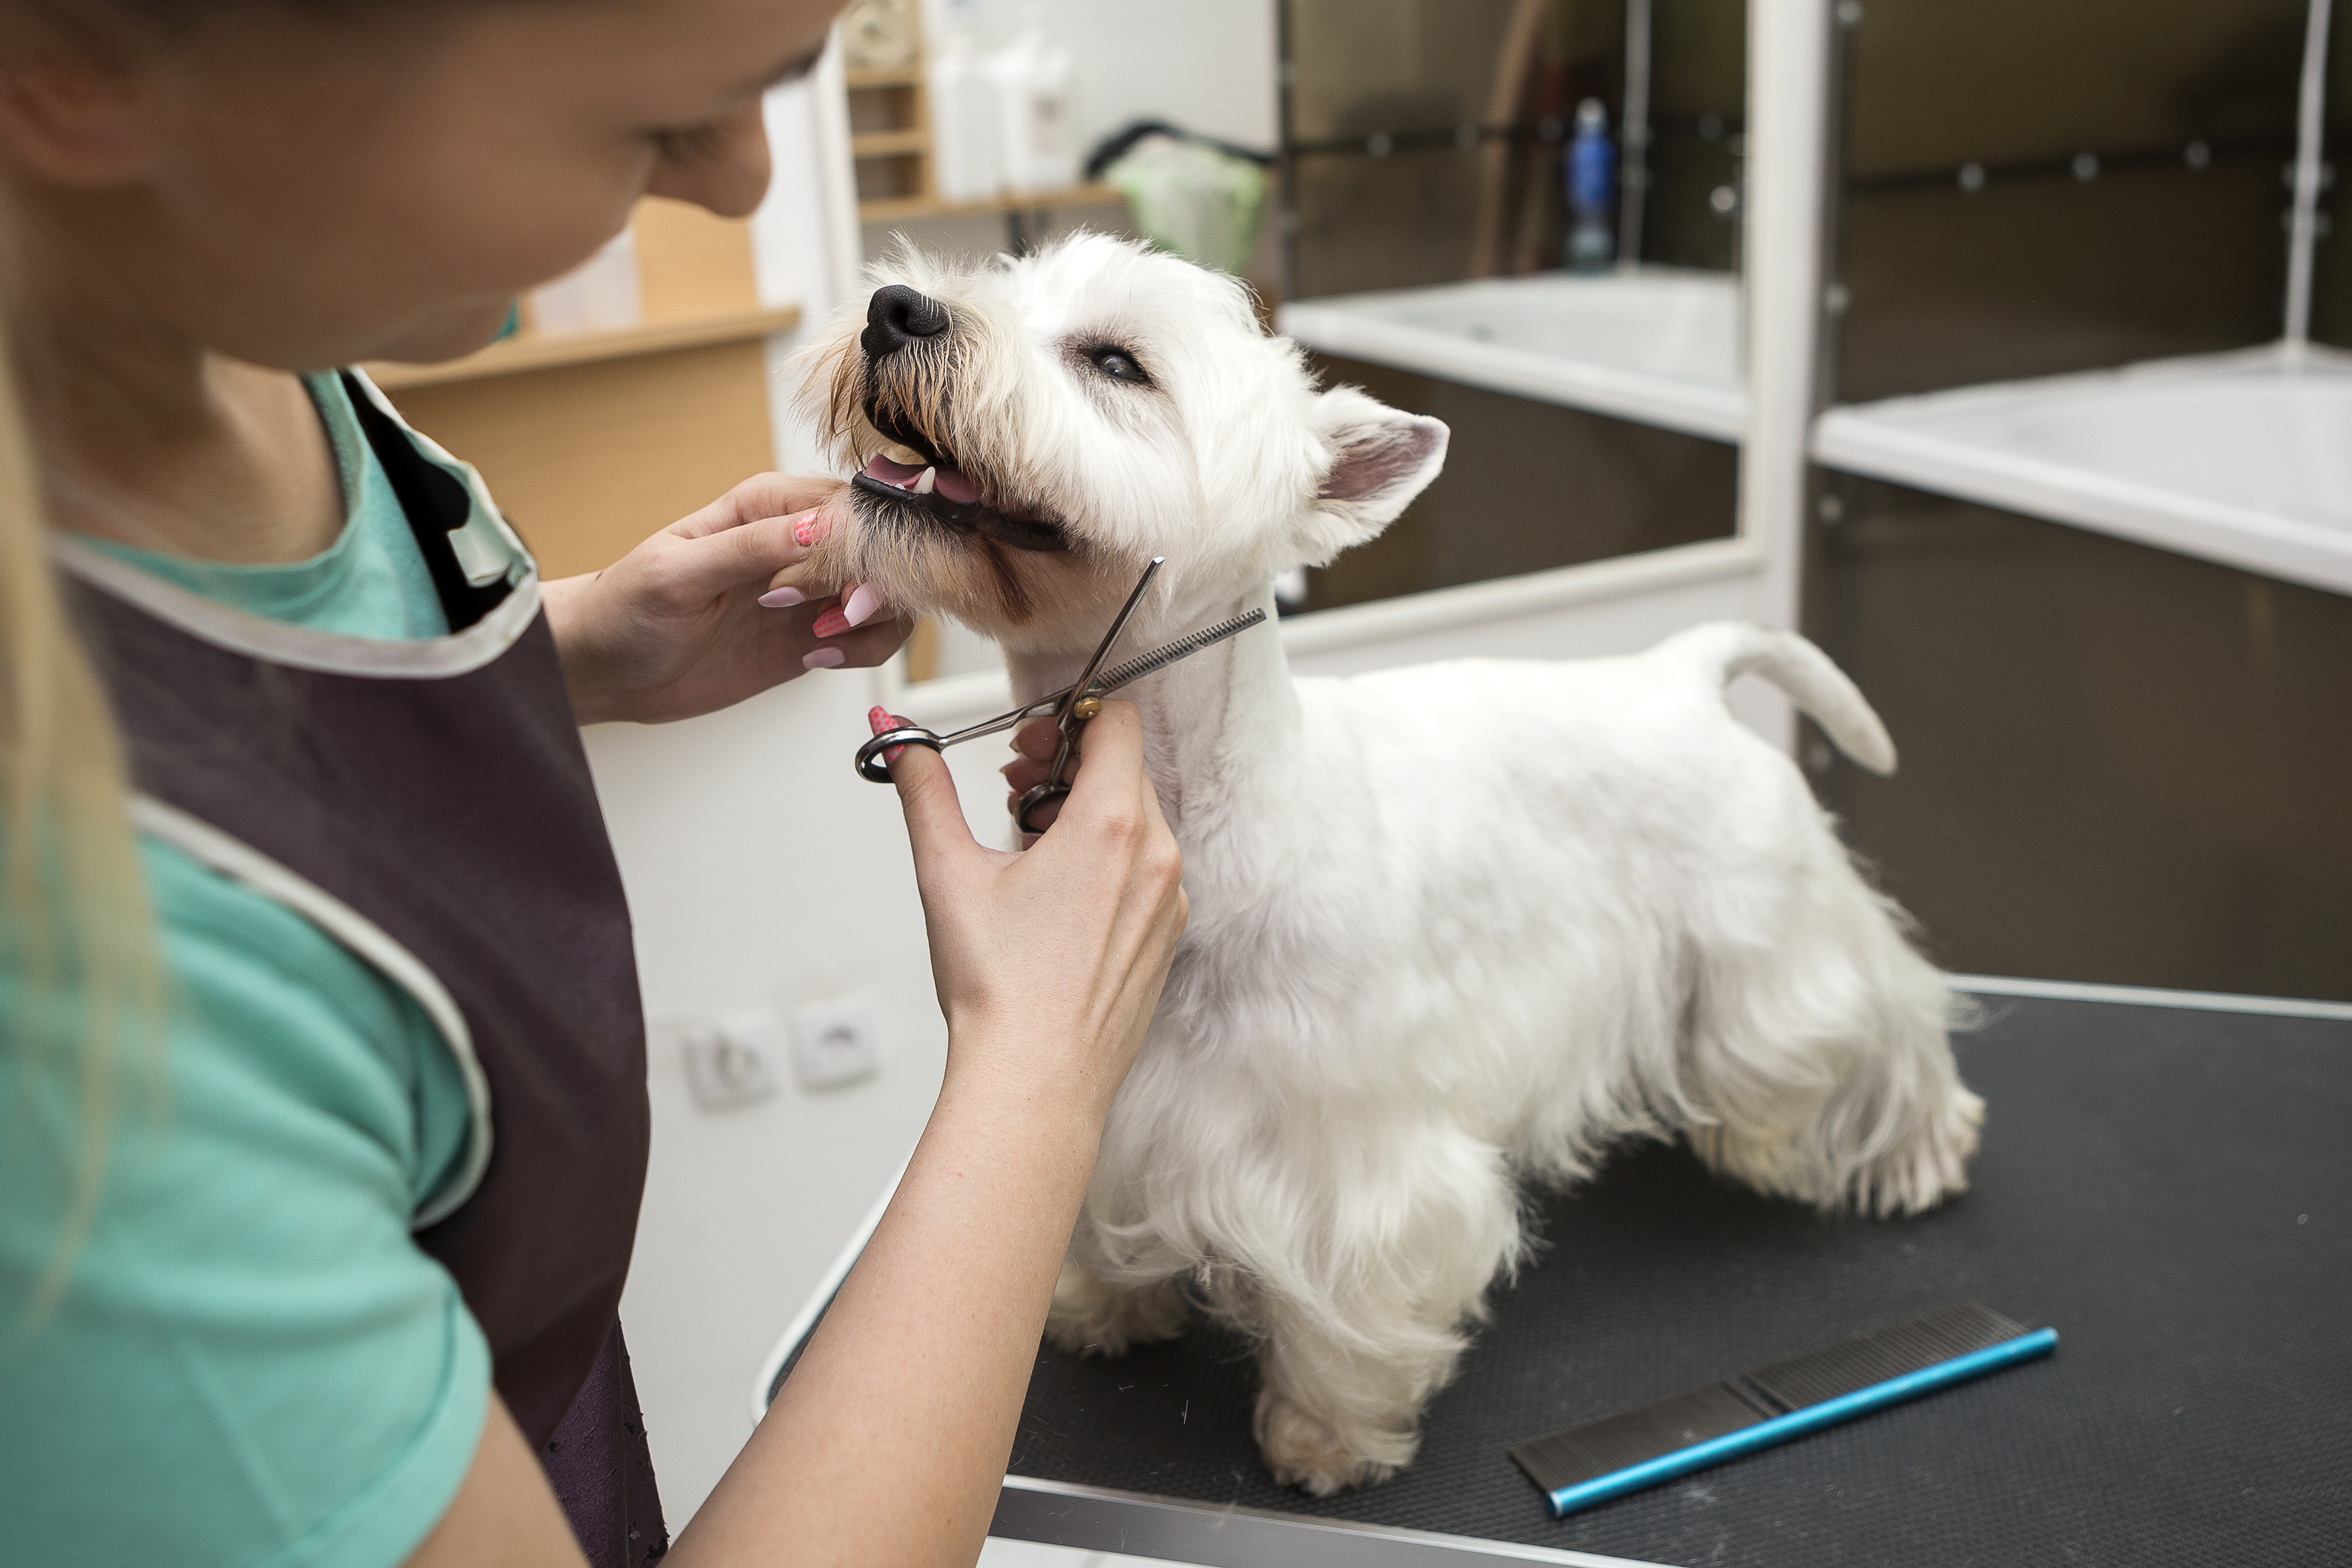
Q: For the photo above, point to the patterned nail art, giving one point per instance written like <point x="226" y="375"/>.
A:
<point x="882" y="719"/>
<point x="810" y="530"/>
<point x="830" y="624"/>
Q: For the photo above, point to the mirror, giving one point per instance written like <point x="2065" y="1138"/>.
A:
<point x="1523" y="217"/>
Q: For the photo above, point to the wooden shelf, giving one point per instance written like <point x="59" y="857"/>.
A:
<point x="897" y="208"/>
<point x="882" y="75"/>
<point x="888" y="143"/>
<point x="515" y="355"/>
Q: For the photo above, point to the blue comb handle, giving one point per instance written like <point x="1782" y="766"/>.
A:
<point x="1812" y="1417"/>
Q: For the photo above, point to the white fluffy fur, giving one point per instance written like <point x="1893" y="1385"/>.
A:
<point x="1453" y="928"/>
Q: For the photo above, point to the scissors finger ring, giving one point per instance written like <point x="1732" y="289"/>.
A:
<point x="1071" y="707"/>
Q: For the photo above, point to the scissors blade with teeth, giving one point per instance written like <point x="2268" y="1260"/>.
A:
<point x="1071" y="707"/>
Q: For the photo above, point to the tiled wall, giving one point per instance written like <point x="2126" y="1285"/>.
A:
<point x="1528" y="486"/>
<point x="2033" y="186"/>
<point x="1387" y="199"/>
<point x="2119" y="764"/>
<point x="1698" y="128"/>
<point x="2331" y="302"/>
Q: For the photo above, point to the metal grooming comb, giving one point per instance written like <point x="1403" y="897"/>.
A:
<point x="1640" y="1447"/>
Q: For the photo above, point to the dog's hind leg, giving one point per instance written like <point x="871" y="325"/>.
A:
<point x="1090" y="1317"/>
<point x="1820" y="1063"/>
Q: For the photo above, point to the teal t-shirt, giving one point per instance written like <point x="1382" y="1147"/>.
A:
<point x="253" y="1362"/>
<point x="371" y="582"/>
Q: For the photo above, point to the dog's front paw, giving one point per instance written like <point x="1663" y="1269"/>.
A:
<point x="1305" y="1451"/>
<point x="1090" y="1317"/>
<point x="1931" y="1167"/>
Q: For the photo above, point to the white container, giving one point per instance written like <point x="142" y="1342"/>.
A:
<point x="1035" y="111"/>
<point x="602" y="294"/>
<point x="2238" y="458"/>
<point x="964" y="163"/>
<point x="1656" y="346"/>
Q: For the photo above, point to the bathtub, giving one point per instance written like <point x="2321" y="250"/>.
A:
<point x="1657" y="346"/>
<point x="2244" y="458"/>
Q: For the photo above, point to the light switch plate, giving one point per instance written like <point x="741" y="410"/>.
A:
<point x="836" y="1042"/>
<point x="732" y="1061"/>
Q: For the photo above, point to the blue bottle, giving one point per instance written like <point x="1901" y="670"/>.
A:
<point x="1591" y="176"/>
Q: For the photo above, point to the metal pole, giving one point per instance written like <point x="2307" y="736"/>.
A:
<point x="1634" y="179"/>
<point x="1286" y="155"/>
<point x="2302" y="226"/>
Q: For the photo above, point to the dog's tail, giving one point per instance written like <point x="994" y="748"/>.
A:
<point x="1726" y="649"/>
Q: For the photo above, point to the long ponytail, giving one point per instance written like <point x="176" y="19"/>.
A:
<point x="75" y="920"/>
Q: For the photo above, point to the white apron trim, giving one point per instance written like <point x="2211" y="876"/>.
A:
<point x="240" y="862"/>
<point x="303" y="647"/>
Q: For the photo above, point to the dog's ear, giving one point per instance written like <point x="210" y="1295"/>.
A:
<point x="1381" y="460"/>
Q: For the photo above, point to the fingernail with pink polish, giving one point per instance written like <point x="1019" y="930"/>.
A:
<point x="810" y="529"/>
<point x="825" y="658"/>
<point x="781" y="598"/>
<point x="830" y="624"/>
<point x="882" y="719"/>
<point x="860" y="607"/>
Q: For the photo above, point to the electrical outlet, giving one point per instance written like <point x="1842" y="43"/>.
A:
<point x="732" y="1061"/>
<point x="836" y="1043"/>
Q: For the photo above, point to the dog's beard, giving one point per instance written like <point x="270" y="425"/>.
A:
<point x="949" y="544"/>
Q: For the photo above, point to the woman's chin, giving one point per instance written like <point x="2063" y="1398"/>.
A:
<point x="447" y="337"/>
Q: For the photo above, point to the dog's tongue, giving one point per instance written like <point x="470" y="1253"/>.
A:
<point x="946" y="481"/>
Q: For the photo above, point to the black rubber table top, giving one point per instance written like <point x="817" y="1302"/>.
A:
<point x="2170" y="1189"/>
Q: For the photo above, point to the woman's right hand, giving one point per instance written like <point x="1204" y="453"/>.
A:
<point x="1049" y="961"/>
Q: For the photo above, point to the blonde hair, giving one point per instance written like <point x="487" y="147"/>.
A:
<point x="74" y="911"/>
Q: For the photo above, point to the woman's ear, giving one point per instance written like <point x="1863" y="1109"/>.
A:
<point x="1380" y="459"/>
<point x="70" y="117"/>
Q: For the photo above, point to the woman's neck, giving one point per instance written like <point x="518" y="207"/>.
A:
<point x="149" y="438"/>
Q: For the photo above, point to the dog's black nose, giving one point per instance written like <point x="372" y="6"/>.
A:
<point x="896" y="316"/>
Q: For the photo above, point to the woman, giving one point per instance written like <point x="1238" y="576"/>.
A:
<point x="324" y="1076"/>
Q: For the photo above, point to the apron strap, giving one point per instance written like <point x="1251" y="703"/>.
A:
<point x="436" y="504"/>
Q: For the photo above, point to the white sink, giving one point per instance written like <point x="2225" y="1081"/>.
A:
<point x="1657" y="346"/>
<point x="2244" y="459"/>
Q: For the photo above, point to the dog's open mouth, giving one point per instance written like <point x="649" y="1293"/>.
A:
<point x="931" y="485"/>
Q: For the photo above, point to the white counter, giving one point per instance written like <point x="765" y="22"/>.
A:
<point x="1657" y="346"/>
<point x="2244" y="459"/>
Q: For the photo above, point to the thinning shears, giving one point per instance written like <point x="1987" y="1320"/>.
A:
<point x="1071" y="707"/>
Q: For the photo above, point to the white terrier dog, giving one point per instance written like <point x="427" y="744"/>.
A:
<point x="1452" y="928"/>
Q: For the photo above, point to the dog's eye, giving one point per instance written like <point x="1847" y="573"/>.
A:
<point x="1118" y="365"/>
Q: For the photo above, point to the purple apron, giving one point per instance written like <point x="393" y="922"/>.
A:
<point x="439" y="792"/>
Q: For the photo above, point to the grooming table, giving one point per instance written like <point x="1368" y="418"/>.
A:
<point x="2165" y="1179"/>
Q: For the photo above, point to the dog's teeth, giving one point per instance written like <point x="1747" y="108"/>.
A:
<point x="929" y="481"/>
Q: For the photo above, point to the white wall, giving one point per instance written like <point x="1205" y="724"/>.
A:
<point x="763" y="874"/>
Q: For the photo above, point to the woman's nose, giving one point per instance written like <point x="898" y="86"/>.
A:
<point x="729" y="176"/>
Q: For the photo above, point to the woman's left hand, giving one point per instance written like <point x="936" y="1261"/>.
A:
<point x="675" y="628"/>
